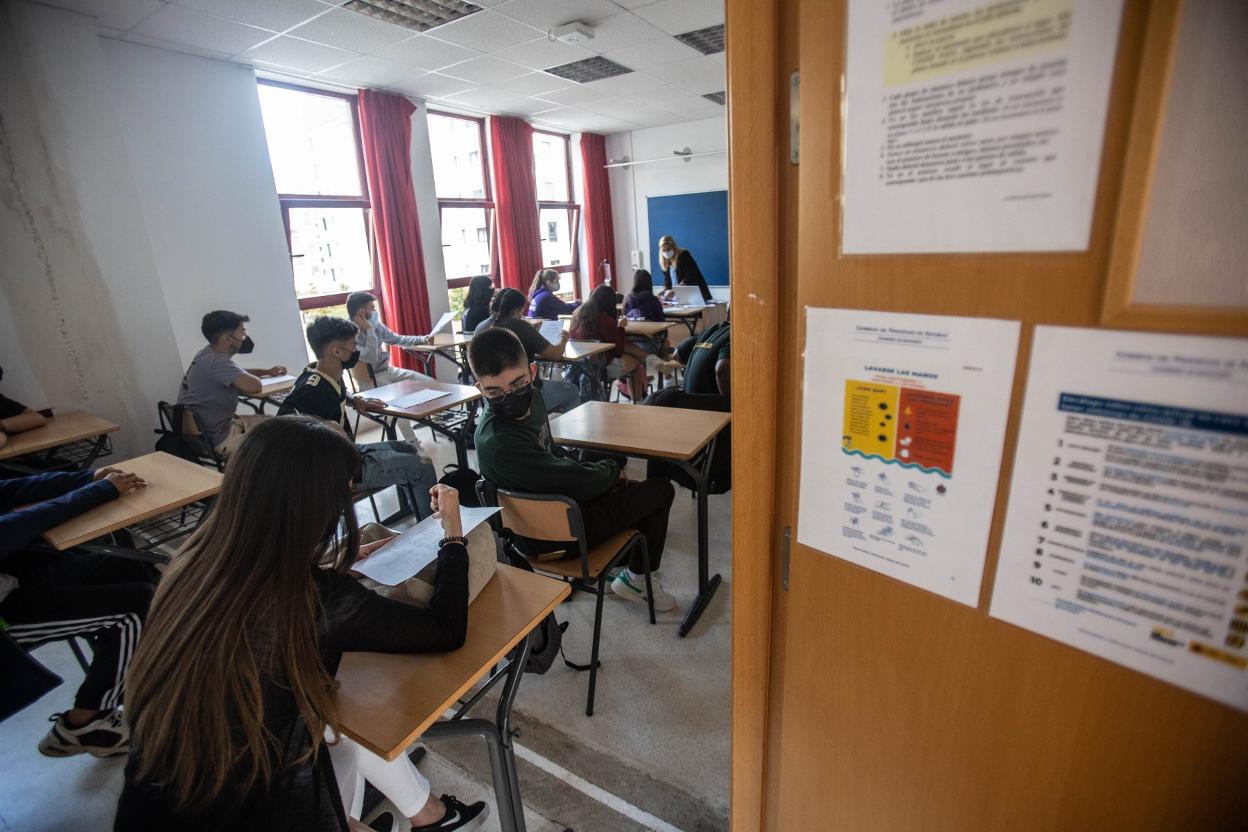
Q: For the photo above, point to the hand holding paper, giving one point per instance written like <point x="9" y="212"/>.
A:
<point x="405" y="555"/>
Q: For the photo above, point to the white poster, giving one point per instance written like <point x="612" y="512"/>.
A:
<point x="1128" y="513"/>
<point x="903" y="418"/>
<point x="974" y="125"/>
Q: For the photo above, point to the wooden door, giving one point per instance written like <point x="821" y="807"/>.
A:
<point x="861" y="703"/>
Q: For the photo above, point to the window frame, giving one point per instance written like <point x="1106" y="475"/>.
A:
<point x="486" y="203"/>
<point x="288" y="201"/>
<point x="574" y="214"/>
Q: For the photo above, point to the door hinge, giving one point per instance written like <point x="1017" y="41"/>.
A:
<point x="795" y="110"/>
<point x="784" y="558"/>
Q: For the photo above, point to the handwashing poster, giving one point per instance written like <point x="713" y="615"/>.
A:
<point x="919" y="404"/>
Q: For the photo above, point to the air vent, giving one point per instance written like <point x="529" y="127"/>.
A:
<point x="590" y="69"/>
<point x="421" y="15"/>
<point x="708" y="41"/>
<point x="717" y="97"/>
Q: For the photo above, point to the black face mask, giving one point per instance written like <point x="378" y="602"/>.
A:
<point x="352" y="361"/>
<point x="247" y="346"/>
<point x="514" y="405"/>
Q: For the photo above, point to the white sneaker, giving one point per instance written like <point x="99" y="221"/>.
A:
<point x="635" y="590"/>
<point x="105" y="736"/>
<point x="611" y="576"/>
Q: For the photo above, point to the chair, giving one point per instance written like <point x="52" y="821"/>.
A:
<point x="555" y="518"/>
<point x="183" y="425"/>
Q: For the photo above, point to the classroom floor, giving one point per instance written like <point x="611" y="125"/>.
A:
<point x="654" y="756"/>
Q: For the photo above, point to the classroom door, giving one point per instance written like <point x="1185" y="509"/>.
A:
<point x="887" y="707"/>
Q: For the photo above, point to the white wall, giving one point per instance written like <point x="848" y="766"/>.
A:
<point x="84" y="299"/>
<point x="200" y="163"/>
<point x="631" y="186"/>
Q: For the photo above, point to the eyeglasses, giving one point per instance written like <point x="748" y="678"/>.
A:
<point x="517" y="386"/>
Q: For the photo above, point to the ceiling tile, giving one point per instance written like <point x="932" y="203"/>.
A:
<point x="493" y="100"/>
<point x="169" y="46"/>
<point x="277" y="15"/>
<point x="485" y="69"/>
<point x="113" y="14"/>
<point x="601" y="124"/>
<point x="635" y="4"/>
<point x="621" y="30"/>
<point x="351" y="30"/>
<point x="576" y="95"/>
<point x="701" y="75"/>
<point x="655" y="53"/>
<point x="560" y="115"/>
<point x="434" y="85"/>
<point x="534" y="83"/>
<point x="546" y="14"/>
<point x="636" y="84"/>
<point x="487" y="31"/>
<point x="543" y="53"/>
<point x="178" y="24"/>
<point x="658" y="118"/>
<point x="370" y="71"/>
<point x="426" y="52"/>
<point x="299" y="54"/>
<point x="677" y="16"/>
<point x="622" y="108"/>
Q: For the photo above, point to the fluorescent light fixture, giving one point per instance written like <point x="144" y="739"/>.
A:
<point x="717" y="97"/>
<point x="421" y="15"/>
<point x="708" y="41"/>
<point x="590" y="69"/>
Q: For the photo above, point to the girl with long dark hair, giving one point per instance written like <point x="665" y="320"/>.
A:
<point x="598" y="320"/>
<point x="230" y="692"/>
<point x="543" y="302"/>
<point x="477" y="304"/>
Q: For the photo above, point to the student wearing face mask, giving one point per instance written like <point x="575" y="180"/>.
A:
<point x="213" y="382"/>
<point x="319" y="392"/>
<point x="679" y="268"/>
<point x="374" y="340"/>
<point x="515" y="451"/>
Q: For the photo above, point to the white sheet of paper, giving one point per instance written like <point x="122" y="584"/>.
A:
<point x="416" y="548"/>
<point x="271" y="380"/>
<point x="419" y="397"/>
<point x="919" y="405"/>
<point x="443" y="323"/>
<point x="970" y="129"/>
<point x="1127" y="527"/>
<point x="552" y="331"/>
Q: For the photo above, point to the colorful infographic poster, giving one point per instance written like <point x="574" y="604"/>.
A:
<point x="919" y="405"/>
<point x="1127" y="529"/>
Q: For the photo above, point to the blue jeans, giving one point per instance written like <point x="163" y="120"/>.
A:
<point x="395" y="463"/>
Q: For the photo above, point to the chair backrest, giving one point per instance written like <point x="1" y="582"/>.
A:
<point x="545" y="517"/>
<point x="180" y="422"/>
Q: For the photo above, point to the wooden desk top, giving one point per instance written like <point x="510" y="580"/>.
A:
<point x="443" y="340"/>
<point x="580" y="350"/>
<point x="649" y="329"/>
<point x="171" y="483"/>
<point x="684" y="311"/>
<point x="459" y="394"/>
<point x="386" y="701"/>
<point x="276" y="384"/>
<point x="60" y="430"/>
<point x="638" y="430"/>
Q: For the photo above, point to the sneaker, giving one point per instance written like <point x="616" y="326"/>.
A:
<point x="611" y="576"/>
<point x="458" y="817"/>
<point x="625" y="587"/>
<point x="105" y="736"/>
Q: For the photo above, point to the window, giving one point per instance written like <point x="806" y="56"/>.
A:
<point x="558" y="215"/>
<point x="314" y="147"/>
<point x="461" y="179"/>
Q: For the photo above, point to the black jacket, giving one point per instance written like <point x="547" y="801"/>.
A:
<point x="688" y="274"/>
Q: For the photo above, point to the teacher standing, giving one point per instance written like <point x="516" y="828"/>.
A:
<point x="679" y="268"/>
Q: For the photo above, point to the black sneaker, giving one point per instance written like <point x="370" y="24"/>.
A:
<point x="458" y="817"/>
<point x="105" y="736"/>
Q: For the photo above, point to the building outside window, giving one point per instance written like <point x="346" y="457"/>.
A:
<point x="558" y="214"/>
<point x="461" y="178"/>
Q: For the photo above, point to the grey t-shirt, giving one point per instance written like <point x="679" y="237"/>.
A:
<point x="208" y="390"/>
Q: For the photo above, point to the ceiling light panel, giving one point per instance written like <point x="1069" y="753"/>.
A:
<point x="717" y="97"/>
<point x="590" y="69"/>
<point x="708" y="41"/>
<point x="420" y="15"/>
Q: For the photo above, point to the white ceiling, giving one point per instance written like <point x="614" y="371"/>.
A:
<point x="488" y="62"/>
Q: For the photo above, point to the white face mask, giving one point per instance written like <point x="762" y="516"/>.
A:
<point x="668" y="253"/>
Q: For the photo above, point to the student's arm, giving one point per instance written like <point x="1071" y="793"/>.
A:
<point x="245" y="382"/>
<point x="394" y="339"/>
<point x="685" y="349"/>
<point x="265" y="372"/>
<point x="554" y="352"/>
<point x="57" y="497"/>
<point x="528" y="467"/>
<point x="16" y="417"/>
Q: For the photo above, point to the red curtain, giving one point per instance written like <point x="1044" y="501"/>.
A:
<point x="599" y="229"/>
<point x="386" y="134"/>
<point x="515" y="201"/>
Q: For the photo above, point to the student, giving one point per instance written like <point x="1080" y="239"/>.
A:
<point x="16" y="417"/>
<point x="514" y="451"/>
<point x="597" y="320"/>
<point x="543" y="302"/>
<point x="231" y="699"/>
<point x="373" y="339"/>
<point x="641" y="304"/>
<point x="46" y="595"/>
<point x="319" y="392"/>
<point x="212" y="383"/>
<point x="477" y="304"/>
<point x="679" y="268"/>
<point x="705" y="357"/>
<point x="505" y="312"/>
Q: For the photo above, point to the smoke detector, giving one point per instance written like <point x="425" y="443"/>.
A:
<point x="574" y="33"/>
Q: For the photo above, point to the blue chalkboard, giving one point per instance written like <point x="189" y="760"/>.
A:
<point x="698" y="222"/>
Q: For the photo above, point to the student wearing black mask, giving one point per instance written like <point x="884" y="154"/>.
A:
<point x="319" y="392"/>
<point x="514" y="451"/>
<point x="213" y="382"/>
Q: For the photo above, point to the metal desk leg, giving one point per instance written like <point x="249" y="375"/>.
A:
<point x="707" y="584"/>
